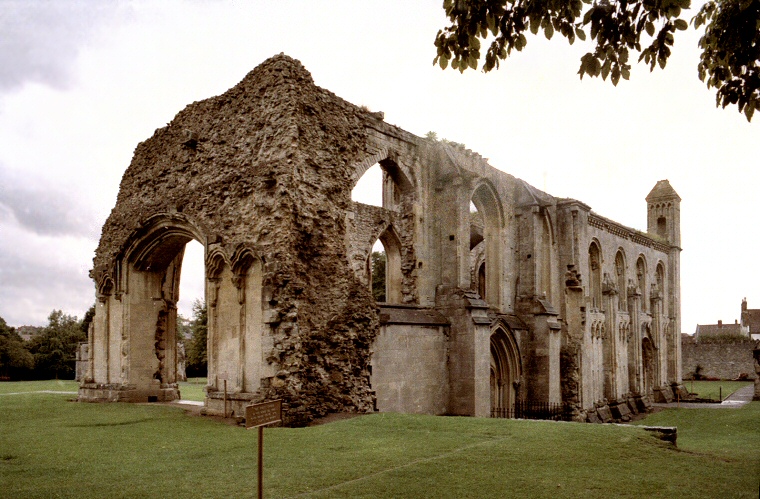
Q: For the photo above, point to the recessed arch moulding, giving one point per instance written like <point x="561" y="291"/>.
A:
<point x="262" y="177"/>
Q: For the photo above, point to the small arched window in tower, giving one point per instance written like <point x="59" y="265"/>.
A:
<point x="662" y="227"/>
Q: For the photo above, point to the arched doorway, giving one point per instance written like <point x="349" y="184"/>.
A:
<point x="134" y="338"/>
<point x="505" y="372"/>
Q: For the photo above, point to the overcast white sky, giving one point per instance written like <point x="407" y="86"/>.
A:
<point x="82" y="83"/>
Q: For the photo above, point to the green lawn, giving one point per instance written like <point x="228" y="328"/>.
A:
<point x="54" y="385"/>
<point x="51" y="447"/>
<point x="192" y="389"/>
<point x="714" y="389"/>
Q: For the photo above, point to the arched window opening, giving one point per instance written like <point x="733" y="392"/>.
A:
<point x="486" y="222"/>
<point x="658" y="287"/>
<point x="621" y="281"/>
<point x="595" y="275"/>
<point x="369" y="188"/>
<point x="641" y="283"/>
<point x="482" y="280"/>
<point x="382" y="185"/>
<point x="662" y="227"/>
<point x="376" y="263"/>
<point x="384" y="268"/>
<point x="546" y="267"/>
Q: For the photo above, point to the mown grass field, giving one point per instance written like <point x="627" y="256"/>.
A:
<point x="52" y="447"/>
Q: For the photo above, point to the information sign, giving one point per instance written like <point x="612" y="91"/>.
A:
<point x="263" y="414"/>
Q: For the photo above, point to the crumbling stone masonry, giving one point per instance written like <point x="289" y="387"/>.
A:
<point x="526" y="297"/>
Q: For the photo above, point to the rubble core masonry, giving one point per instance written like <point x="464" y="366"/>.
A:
<point x="525" y="297"/>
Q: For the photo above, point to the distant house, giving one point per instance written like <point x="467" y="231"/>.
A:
<point x="751" y="320"/>
<point x="719" y="329"/>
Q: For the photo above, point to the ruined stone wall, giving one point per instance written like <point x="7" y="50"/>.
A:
<point x="718" y="360"/>
<point x="268" y="165"/>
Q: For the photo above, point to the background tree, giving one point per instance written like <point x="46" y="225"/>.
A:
<point x="196" y="345"/>
<point x="55" y="349"/>
<point x="377" y="260"/>
<point x="87" y="319"/>
<point x="730" y="60"/>
<point x="15" y="359"/>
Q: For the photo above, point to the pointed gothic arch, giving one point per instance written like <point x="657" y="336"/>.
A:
<point x="595" y="274"/>
<point x="393" y="275"/>
<point x="506" y="369"/>
<point x="486" y="200"/>
<point x="621" y="280"/>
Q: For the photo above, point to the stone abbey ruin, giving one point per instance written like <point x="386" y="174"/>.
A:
<point x="527" y="298"/>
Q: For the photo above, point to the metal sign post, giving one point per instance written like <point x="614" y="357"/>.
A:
<point x="258" y="416"/>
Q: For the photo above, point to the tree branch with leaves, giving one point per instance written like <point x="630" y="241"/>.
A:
<point x="731" y="44"/>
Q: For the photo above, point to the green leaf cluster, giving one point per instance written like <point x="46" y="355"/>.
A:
<point x="15" y="359"/>
<point x="730" y="59"/>
<point x="731" y="45"/>
<point x="55" y="349"/>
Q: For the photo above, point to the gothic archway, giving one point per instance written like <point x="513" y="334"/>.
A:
<point x="488" y="206"/>
<point x="505" y="371"/>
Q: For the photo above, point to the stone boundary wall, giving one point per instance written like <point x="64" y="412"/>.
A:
<point x="718" y="360"/>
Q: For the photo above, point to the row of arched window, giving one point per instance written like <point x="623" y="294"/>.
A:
<point x="618" y="281"/>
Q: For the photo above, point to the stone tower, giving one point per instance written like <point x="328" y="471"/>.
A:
<point x="664" y="220"/>
<point x="664" y="213"/>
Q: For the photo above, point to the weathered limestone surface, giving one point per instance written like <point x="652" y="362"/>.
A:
<point x="251" y="168"/>
<point x="496" y="291"/>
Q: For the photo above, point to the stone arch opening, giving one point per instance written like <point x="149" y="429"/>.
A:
<point x="392" y="281"/>
<point x="235" y="309"/>
<point x="505" y="371"/>
<point x="658" y="291"/>
<point x="368" y="189"/>
<point x="383" y="184"/>
<point x="489" y="210"/>
<point x="149" y="290"/>
<point x="546" y="270"/>
<point x="641" y="282"/>
<point x="192" y="293"/>
<point x="482" y="280"/>
<point x="595" y="275"/>
<point x="620" y="280"/>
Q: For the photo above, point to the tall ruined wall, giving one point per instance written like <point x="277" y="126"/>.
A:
<point x="723" y="360"/>
<point x="268" y="165"/>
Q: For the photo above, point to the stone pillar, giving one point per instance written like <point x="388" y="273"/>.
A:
<point x="611" y="296"/>
<point x="470" y="352"/>
<point x="572" y="338"/>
